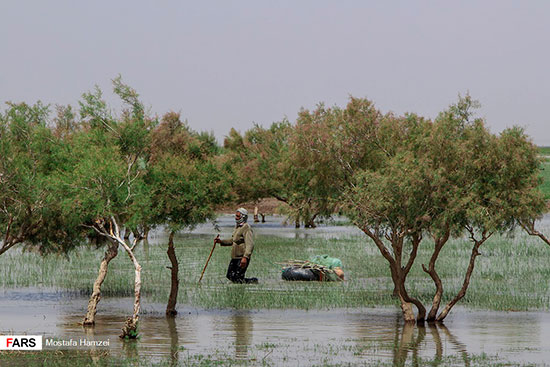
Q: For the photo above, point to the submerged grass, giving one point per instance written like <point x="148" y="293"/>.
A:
<point x="511" y="274"/>
<point x="545" y="175"/>
<point x="273" y="355"/>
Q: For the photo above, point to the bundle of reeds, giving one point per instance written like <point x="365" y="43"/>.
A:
<point x="324" y="272"/>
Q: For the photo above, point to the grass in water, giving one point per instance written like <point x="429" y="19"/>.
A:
<point x="325" y="355"/>
<point x="511" y="274"/>
<point x="544" y="151"/>
<point x="545" y="175"/>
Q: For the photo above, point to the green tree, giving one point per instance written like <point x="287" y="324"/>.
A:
<point x="186" y="181"/>
<point x="264" y="166"/>
<point x="103" y="188"/>
<point x="402" y="179"/>
<point x="29" y="213"/>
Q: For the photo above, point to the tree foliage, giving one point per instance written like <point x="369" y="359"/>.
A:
<point x="402" y="179"/>
<point x="29" y="210"/>
<point x="187" y="179"/>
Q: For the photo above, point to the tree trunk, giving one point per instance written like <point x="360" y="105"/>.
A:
<point x="403" y="272"/>
<point x="173" y="298"/>
<point x="395" y="268"/>
<point x="399" y="276"/>
<point x="404" y="297"/>
<point x="110" y="253"/>
<point x="466" y="283"/>
<point x="406" y="308"/>
<point x="395" y="292"/>
<point x="311" y="222"/>
<point x="439" y="243"/>
<point x="130" y="328"/>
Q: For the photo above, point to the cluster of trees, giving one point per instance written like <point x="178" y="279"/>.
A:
<point x="408" y="182"/>
<point x="93" y="177"/>
<point x="405" y="181"/>
<point x="103" y="179"/>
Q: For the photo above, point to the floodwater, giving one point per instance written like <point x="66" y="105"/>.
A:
<point x="279" y="337"/>
<point x="282" y="337"/>
<point x="274" y="226"/>
<point x="337" y="227"/>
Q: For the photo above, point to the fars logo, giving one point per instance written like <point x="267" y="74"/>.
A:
<point x="21" y="342"/>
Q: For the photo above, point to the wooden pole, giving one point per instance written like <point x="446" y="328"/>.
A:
<point x="211" y="252"/>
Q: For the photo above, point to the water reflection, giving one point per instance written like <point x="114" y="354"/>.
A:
<point x="174" y="340"/>
<point x="408" y="342"/>
<point x="458" y="345"/>
<point x="411" y="340"/>
<point x="243" y="327"/>
<point x="274" y="227"/>
<point x="289" y="336"/>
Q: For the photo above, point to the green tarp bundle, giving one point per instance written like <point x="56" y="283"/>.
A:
<point x="325" y="260"/>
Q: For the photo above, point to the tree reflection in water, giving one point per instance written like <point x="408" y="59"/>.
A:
<point x="411" y="338"/>
<point x="242" y="326"/>
<point x="174" y="340"/>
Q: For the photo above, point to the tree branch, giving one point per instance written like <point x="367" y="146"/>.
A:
<point x="530" y="229"/>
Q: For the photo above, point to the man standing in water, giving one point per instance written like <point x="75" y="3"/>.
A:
<point x="242" y="247"/>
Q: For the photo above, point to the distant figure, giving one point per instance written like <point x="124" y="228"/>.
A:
<point x="256" y="212"/>
<point x="256" y="220"/>
<point x="243" y="245"/>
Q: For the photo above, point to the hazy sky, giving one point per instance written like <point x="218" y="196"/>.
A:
<point x="229" y="64"/>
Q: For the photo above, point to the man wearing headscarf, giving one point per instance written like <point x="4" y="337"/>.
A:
<point x="241" y="250"/>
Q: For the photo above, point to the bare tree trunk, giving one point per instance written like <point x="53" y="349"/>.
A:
<point x="113" y="233"/>
<point x="399" y="276"/>
<point x="406" y="298"/>
<point x="110" y="253"/>
<point x="395" y="292"/>
<point x="416" y="239"/>
<point x="173" y="298"/>
<point x="439" y="243"/>
<point x="406" y="309"/>
<point x="131" y="325"/>
<point x="395" y="268"/>
<point x="406" y="306"/>
<point x="130" y="329"/>
<point x="466" y="283"/>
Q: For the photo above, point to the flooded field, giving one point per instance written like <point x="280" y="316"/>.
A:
<point x="324" y="335"/>
<point x="282" y="337"/>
